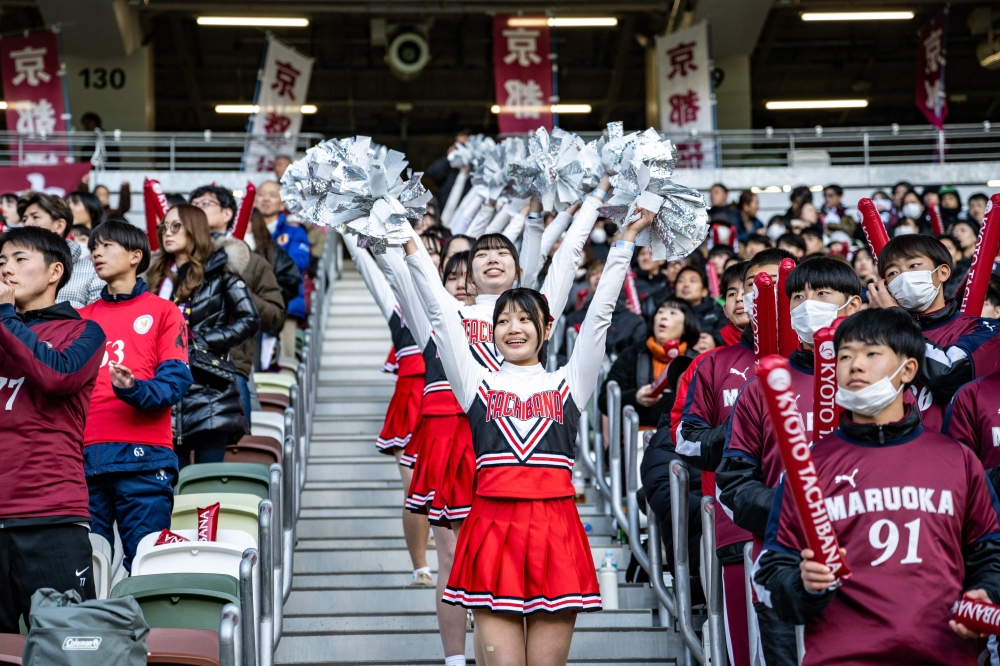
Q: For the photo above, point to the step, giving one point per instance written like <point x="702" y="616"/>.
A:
<point x="363" y="361"/>
<point x="345" y="393"/>
<point x="304" y="624"/>
<point x="341" y="310"/>
<point x="372" y="320"/>
<point x="312" y="553"/>
<point x="359" y="409"/>
<point x="355" y="446"/>
<point x="598" y="543"/>
<point x="371" y="427"/>
<point x="380" y="471"/>
<point x="334" y="527"/>
<point x="380" y="332"/>
<point x="348" y="295"/>
<point x="353" y="376"/>
<point x="359" y="499"/>
<point x="356" y="346"/>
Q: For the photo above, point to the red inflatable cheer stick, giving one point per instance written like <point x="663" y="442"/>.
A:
<point x="713" y="280"/>
<point x="826" y="411"/>
<point x="871" y="223"/>
<point x="937" y="227"/>
<point x="631" y="293"/>
<point x="659" y="384"/>
<point x="978" y="616"/>
<point x="246" y="208"/>
<point x="765" y="317"/>
<point x="788" y="339"/>
<point x="982" y="261"/>
<point x="155" y="203"/>
<point x="801" y="477"/>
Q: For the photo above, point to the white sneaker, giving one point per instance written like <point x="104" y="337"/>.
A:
<point x="423" y="579"/>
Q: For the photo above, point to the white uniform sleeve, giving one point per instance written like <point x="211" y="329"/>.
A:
<point x="467" y="209"/>
<point x="454" y="196"/>
<point x="500" y="220"/>
<point x="514" y="228"/>
<point x="562" y="271"/>
<point x="479" y="222"/>
<point x="584" y="366"/>
<point x="464" y="373"/>
<point x="393" y="264"/>
<point x="531" y="257"/>
<point x="373" y="277"/>
<point x="553" y="232"/>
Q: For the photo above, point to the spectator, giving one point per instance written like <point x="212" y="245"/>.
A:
<point x="455" y="244"/>
<point x="808" y="214"/>
<point x="220" y="314"/>
<point x="78" y="233"/>
<point x="648" y="278"/>
<point x="718" y="256"/>
<point x="793" y="244"/>
<point x="601" y="238"/>
<point x="748" y="206"/>
<point x="951" y="205"/>
<point x="86" y="208"/>
<point x="91" y="122"/>
<point x="799" y="196"/>
<point x="754" y="243"/>
<point x="991" y="306"/>
<point x="175" y="199"/>
<point x="50" y="358"/>
<point x="674" y="332"/>
<point x="442" y="173"/>
<point x="864" y="266"/>
<point x="977" y="207"/>
<point x="965" y="232"/>
<point x="718" y="196"/>
<point x="905" y="226"/>
<point x="833" y="209"/>
<point x="838" y="244"/>
<point x="913" y="212"/>
<point x="884" y="206"/>
<point x="776" y="228"/>
<point x="281" y="162"/>
<point x="128" y="455"/>
<point x="8" y="210"/>
<point x="692" y="287"/>
<point x="899" y="190"/>
<point x="287" y="232"/>
<point x="813" y="238"/>
<point x="432" y="243"/>
<point x="627" y="328"/>
<point x="930" y="195"/>
<point x="952" y="245"/>
<point x="50" y="212"/>
<point x="285" y="271"/>
<point x="124" y="200"/>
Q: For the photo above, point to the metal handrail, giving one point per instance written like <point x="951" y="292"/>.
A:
<point x="615" y="454"/>
<point x="265" y="625"/>
<point x="288" y="516"/>
<point x="594" y="421"/>
<point x="632" y="485"/>
<point x="752" y="629"/>
<point x="277" y="549"/>
<point x="583" y="443"/>
<point x="716" y="626"/>
<point x="247" y="629"/>
<point x="229" y="624"/>
<point x="679" y="489"/>
<point x="655" y="548"/>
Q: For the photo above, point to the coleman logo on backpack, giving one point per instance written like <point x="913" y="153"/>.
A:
<point x="81" y="643"/>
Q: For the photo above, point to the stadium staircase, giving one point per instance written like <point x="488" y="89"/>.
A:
<point x="350" y="603"/>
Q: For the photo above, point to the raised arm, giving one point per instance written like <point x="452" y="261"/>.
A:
<point x="464" y="373"/>
<point x="584" y="365"/>
<point x="556" y="228"/>
<point x="502" y="218"/>
<point x="514" y="228"/>
<point x="480" y="221"/>
<point x="376" y="282"/>
<point x="531" y="255"/>
<point x="455" y="195"/>
<point x="393" y="263"/>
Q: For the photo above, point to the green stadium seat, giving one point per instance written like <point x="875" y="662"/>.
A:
<point x="238" y="511"/>
<point x="181" y="600"/>
<point x="231" y="477"/>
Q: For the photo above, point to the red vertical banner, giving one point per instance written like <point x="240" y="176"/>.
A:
<point x="522" y="73"/>
<point x="33" y="89"/>
<point x="931" y="98"/>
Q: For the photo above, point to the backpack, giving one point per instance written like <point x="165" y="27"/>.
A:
<point x="67" y="631"/>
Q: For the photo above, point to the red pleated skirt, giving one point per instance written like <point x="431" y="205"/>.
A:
<point x="403" y="413"/>
<point x="523" y="557"/>
<point x="443" y="478"/>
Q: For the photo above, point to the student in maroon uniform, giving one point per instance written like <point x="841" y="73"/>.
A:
<point x="973" y="419"/>
<point x="699" y="438"/>
<point x="821" y="289"/>
<point x="49" y="359"/>
<point x="912" y="510"/>
<point x="913" y="271"/>
<point x="128" y="450"/>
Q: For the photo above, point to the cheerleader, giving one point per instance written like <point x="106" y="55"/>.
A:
<point x="522" y="548"/>
<point x="404" y="408"/>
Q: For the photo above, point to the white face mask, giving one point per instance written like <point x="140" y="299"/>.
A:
<point x="748" y="305"/>
<point x="775" y="231"/>
<point x="903" y="230"/>
<point x="915" y="290"/>
<point x="883" y="205"/>
<point x="913" y="210"/>
<point x="810" y="316"/>
<point x="598" y="236"/>
<point x="872" y="399"/>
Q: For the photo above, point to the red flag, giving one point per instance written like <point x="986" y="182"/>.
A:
<point x="987" y="246"/>
<point x="246" y="209"/>
<point x="931" y="98"/>
<point x="765" y="317"/>
<point x="871" y="224"/>
<point x="801" y="477"/>
<point x="155" y="205"/>
<point x="788" y="339"/>
<point x="522" y="73"/>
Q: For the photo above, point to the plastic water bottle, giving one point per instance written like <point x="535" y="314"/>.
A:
<point x="579" y="488"/>
<point x="607" y="580"/>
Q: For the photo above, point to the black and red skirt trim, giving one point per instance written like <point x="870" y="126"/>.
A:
<point x="443" y="478"/>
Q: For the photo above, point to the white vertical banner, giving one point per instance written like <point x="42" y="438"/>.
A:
<point x="282" y="86"/>
<point x="686" y="95"/>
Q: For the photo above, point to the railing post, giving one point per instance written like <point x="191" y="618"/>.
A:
<point x="288" y="515"/>
<point x="716" y="626"/>
<point x="265" y="633"/>
<point x="615" y="454"/>
<point x="228" y="626"/>
<point x="277" y="549"/>
<point x="751" y="612"/>
<point x="583" y="445"/>
<point x="632" y="486"/>
<point x="791" y="150"/>
<point x="655" y="548"/>
<point x="173" y="153"/>
<point x="679" y="490"/>
<point x="598" y="479"/>
<point x="248" y="632"/>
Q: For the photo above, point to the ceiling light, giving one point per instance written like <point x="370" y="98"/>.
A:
<point x="3" y="105"/>
<point x="565" y="22"/>
<point x="816" y="188"/>
<point x="255" y="21"/>
<point x="554" y="108"/>
<point x="789" y="105"/>
<point x="993" y="183"/>
<point x="857" y="16"/>
<point x="771" y="189"/>
<point x="309" y="108"/>
<point x="253" y="108"/>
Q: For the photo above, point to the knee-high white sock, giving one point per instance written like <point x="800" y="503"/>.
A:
<point x="456" y="660"/>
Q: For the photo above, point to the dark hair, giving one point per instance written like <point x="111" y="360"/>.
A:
<point x="732" y="274"/>
<point x="448" y="241"/>
<point x="125" y="234"/>
<point x="721" y="249"/>
<point x="746" y="196"/>
<point x="692" y="328"/>
<point x="199" y="249"/>
<point x="951" y="239"/>
<point x="892" y="327"/>
<point x="911" y="246"/>
<point x="972" y="224"/>
<point x="81" y="229"/>
<point x="494" y="242"/>
<point x="53" y="248"/>
<point x="175" y="199"/>
<point x="56" y="208"/>
<point x="837" y="189"/>
<point x="757" y="238"/>
<point x="224" y="197"/>
<point x="90" y="203"/>
<point x="697" y="271"/>
<point x="724" y="188"/>
<point x="772" y="255"/>
<point x="993" y="291"/>
<point x="978" y="196"/>
<point x="532" y="302"/>
<point x="455" y="264"/>
<point x="903" y="183"/>
<point x="802" y="193"/>
<point x="8" y="196"/>
<point x="823" y="272"/>
<point x="91" y="116"/>
<point x="792" y="239"/>
<point x="859" y="252"/>
<point x="264" y="244"/>
<point x="813" y="231"/>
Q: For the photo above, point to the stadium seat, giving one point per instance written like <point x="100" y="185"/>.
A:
<point x="238" y="511"/>
<point x="273" y="402"/>
<point x="101" y="563"/>
<point x="258" y="450"/>
<point x="273" y="382"/>
<point x="225" y="477"/>
<point x="221" y="556"/>
<point x="181" y="600"/>
<point x="11" y="648"/>
<point x="267" y="424"/>
<point x="183" y="647"/>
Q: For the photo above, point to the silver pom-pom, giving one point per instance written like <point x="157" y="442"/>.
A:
<point x="491" y="174"/>
<point x="472" y="152"/>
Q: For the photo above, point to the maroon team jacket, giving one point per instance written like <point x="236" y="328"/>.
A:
<point x="49" y="361"/>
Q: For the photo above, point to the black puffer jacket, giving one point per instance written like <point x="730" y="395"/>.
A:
<point x="222" y="316"/>
<point x="287" y="273"/>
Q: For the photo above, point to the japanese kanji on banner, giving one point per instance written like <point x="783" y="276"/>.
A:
<point x="687" y="99"/>
<point x="931" y="98"/>
<point x="281" y="92"/>
<point x="33" y="90"/>
<point x="523" y="76"/>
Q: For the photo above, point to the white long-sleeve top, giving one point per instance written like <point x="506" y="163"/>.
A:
<point x="524" y="420"/>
